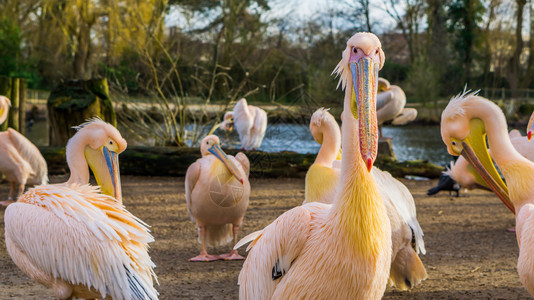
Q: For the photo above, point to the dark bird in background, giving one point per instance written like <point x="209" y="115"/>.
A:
<point x="445" y="183"/>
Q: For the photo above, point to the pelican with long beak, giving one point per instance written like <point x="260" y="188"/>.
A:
<point x="338" y="251"/>
<point x="464" y="124"/>
<point x="78" y="239"/>
<point x="217" y="192"/>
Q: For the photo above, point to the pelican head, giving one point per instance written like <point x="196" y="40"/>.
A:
<point x="465" y="135"/>
<point x="4" y="108"/>
<point x="210" y="145"/>
<point x="101" y="144"/>
<point x="530" y="126"/>
<point x="228" y="121"/>
<point x="358" y="71"/>
<point x="320" y="120"/>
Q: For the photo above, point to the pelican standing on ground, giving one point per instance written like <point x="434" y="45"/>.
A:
<point x="20" y="161"/>
<point x="338" y="251"/>
<point x="390" y="105"/>
<point x="217" y="192"/>
<point x="250" y="123"/>
<point x="322" y="178"/>
<point x="78" y="239"/>
<point x="464" y="124"/>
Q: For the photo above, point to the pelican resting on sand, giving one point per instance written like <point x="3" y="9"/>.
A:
<point x="20" y="161"/>
<point x="464" y="124"/>
<point x="390" y="105"/>
<point x="322" y="178"/>
<point x="249" y="121"/>
<point x="78" y="239"/>
<point x="217" y="192"/>
<point x="338" y="251"/>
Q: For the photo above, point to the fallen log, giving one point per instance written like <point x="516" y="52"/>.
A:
<point x="171" y="161"/>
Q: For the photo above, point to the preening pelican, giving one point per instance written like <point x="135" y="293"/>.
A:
<point x="78" y="239"/>
<point x="390" y="105"/>
<point x="20" y="161"/>
<point x="338" y="251"/>
<point x="217" y="192"/>
<point x="464" y="124"/>
<point x="250" y="123"/>
<point x="322" y="178"/>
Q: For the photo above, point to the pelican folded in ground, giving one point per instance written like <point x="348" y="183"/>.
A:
<point x="464" y="124"/>
<point x="78" y="239"/>
<point x="390" y="105"/>
<point x="20" y="161"/>
<point x="249" y="121"/>
<point x="322" y="179"/>
<point x="217" y="192"/>
<point x="338" y="251"/>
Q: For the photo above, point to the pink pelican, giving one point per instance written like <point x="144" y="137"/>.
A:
<point x="390" y="105"/>
<point x="322" y="178"/>
<point x="338" y="251"/>
<point x="250" y="123"/>
<point x="217" y="192"/>
<point x="20" y="161"/>
<point x="464" y="124"/>
<point x="78" y="239"/>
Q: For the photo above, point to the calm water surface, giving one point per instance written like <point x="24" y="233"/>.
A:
<point x="409" y="142"/>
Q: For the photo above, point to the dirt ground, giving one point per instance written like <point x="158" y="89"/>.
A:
<point x="470" y="255"/>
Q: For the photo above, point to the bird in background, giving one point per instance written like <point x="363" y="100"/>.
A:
<point x="322" y="179"/>
<point x="249" y="121"/>
<point x="465" y="122"/>
<point x="390" y="105"/>
<point x="20" y="161"/>
<point x="78" y="239"/>
<point x="338" y="251"/>
<point x="217" y="193"/>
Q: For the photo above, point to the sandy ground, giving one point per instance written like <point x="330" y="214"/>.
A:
<point x="470" y="255"/>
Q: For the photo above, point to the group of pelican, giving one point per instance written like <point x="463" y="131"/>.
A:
<point x="355" y="232"/>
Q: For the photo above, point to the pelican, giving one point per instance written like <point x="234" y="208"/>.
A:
<point x="390" y="105"/>
<point x="338" y="251"/>
<point x="464" y="124"/>
<point x="467" y="177"/>
<point x="407" y="270"/>
<point x="217" y="192"/>
<point x="250" y="123"/>
<point x="20" y="161"/>
<point x="78" y="239"/>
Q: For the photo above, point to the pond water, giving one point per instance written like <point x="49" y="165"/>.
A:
<point x="409" y="142"/>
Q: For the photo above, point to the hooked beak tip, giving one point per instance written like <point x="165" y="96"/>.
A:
<point x="242" y="181"/>
<point x="369" y="164"/>
<point x="529" y="134"/>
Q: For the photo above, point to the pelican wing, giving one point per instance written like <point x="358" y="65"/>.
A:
<point x="403" y="202"/>
<point x="191" y="177"/>
<point x="245" y="163"/>
<point x="29" y="153"/>
<point x="83" y="237"/>
<point x="243" y="122"/>
<point x="259" y="127"/>
<point x="406" y="116"/>
<point x="273" y="251"/>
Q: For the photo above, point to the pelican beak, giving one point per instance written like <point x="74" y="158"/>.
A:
<point x="217" y="151"/>
<point x="530" y="126"/>
<point x="105" y="166"/>
<point x="363" y="106"/>
<point x="475" y="150"/>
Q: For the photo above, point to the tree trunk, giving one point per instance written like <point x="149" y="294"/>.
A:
<point x="72" y="103"/>
<point x="22" y="106"/>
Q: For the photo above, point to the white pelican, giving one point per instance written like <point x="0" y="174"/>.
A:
<point x="322" y="179"/>
<point x="20" y="161"/>
<point x="250" y="123"/>
<point x="464" y="125"/>
<point x="217" y="192"/>
<point x="78" y="239"/>
<point x="338" y="251"/>
<point x="390" y="105"/>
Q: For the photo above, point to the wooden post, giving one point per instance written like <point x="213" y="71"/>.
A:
<point x="14" y="111"/>
<point x="22" y="106"/>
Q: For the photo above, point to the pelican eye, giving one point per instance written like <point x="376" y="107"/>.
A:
<point x="453" y="143"/>
<point x="354" y="50"/>
<point x="111" y="142"/>
<point x="376" y="52"/>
